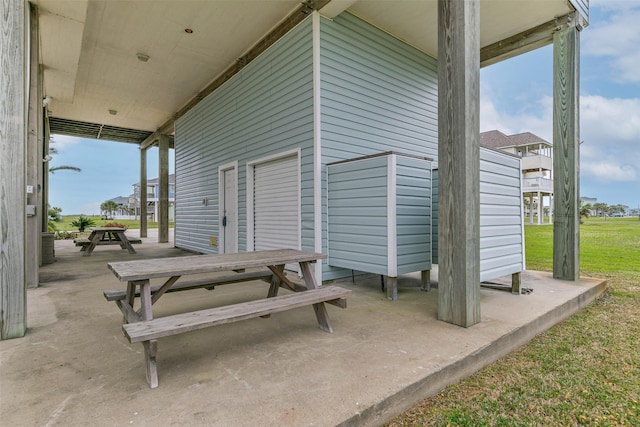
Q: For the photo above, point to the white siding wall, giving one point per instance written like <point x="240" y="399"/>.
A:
<point x="264" y="110"/>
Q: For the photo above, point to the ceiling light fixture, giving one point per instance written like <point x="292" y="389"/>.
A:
<point x="142" y="57"/>
<point x="113" y="112"/>
<point x="188" y="30"/>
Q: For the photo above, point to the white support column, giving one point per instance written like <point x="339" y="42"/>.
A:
<point x="459" y="164"/>
<point x="531" y="208"/>
<point x="143" y="192"/>
<point x="539" y="208"/>
<point x="162" y="206"/>
<point x="566" y="152"/>
<point x="13" y="131"/>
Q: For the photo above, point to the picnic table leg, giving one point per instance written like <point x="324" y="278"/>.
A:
<point x="84" y="247"/>
<point x="124" y="242"/>
<point x="97" y="235"/>
<point x="320" y="309"/>
<point x="275" y="282"/>
<point x="151" y="346"/>
<point x="275" y="285"/>
<point x="128" y="314"/>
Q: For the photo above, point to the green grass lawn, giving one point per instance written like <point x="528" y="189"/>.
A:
<point x="65" y="225"/>
<point x="583" y="371"/>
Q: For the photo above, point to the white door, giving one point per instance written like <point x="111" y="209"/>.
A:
<point x="229" y="211"/>
<point x="276" y="204"/>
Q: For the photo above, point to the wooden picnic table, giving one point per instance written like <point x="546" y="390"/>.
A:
<point x="105" y="236"/>
<point x="141" y="326"/>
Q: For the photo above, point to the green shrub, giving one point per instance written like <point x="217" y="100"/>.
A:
<point x="83" y="222"/>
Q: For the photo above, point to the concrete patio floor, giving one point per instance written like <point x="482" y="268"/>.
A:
<point x="75" y="368"/>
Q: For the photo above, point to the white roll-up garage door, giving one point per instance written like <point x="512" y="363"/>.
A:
<point x="276" y="204"/>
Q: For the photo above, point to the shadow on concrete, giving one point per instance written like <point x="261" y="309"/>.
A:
<point x="75" y="368"/>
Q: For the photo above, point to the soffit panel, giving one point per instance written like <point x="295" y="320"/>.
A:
<point x="145" y="94"/>
<point x="416" y="22"/>
<point x="89" y="49"/>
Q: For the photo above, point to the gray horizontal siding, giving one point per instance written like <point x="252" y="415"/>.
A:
<point x="581" y="6"/>
<point x="264" y="110"/>
<point x="413" y="214"/>
<point x="378" y="94"/>
<point x="434" y="216"/>
<point x="357" y="212"/>
<point x="358" y="197"/>
<point x="501" y="238"/>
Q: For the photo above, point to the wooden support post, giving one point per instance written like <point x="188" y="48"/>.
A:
<point x="425" y="280"/>
<point x="163" y="189"/>
<point x="458" y="159"/>
<point x="143" y="192"/>
<point x="566" y="153"/>
<point x="44" y="176"/>
<point x="392" y="288"/>
<point x="516" y="280"/>
<point x="13" y="143"/>
<point x="34" y="154"/>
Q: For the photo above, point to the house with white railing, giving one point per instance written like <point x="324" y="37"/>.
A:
<point x="537" y="169"/>
<point x="153" y="195"/>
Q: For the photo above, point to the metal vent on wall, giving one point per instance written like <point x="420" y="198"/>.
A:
<point x="96" y="131"/>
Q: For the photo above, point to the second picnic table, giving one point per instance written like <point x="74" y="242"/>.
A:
<point x="105" y="236"/>
<point x="140" y="325"/>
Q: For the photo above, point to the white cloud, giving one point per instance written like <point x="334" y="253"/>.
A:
<point x="602" y="164"/>
<point x="610" y="129"/>
<point x="539" y="122"/>
<point x="608" y="171"/>
<point x="611" y="120"/>
<point x="60" y="142"/>
<point x="617" y="39"/>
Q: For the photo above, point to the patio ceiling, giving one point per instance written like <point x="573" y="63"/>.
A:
<point x="93" y="52"/>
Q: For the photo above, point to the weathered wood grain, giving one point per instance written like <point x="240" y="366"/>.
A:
<point x="179" y="266"/>
<point x="143" y="192"/>
<point x="186" y="322"/>
<point x="34" y="152"/>
<point x="185" y="285"/>
<point x="459" y="162"/>
<point x="163" y="189"/>
<point x="320" y="309"/>
<point x="13" y="141"/>
<point x="566" y="154"/>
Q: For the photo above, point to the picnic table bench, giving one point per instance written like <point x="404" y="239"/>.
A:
<point x="140" y="325"/>
<point x="106" y="236"/>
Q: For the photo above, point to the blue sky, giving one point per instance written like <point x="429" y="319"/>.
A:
<point x="109" y="169"/>
<point x="516" y="96"/>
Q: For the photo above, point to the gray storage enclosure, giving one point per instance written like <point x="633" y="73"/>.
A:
<point x="501" y="215"/>
<point x="380" y="215"/>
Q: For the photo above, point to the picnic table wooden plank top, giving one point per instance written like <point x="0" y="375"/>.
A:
<point x="178" y="266"/>
<point x="108" y="229"/>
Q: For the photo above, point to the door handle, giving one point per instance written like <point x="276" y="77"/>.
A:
<point x="224" y="221"/>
